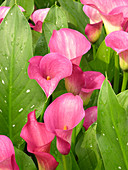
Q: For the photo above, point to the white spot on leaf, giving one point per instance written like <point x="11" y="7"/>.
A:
<point x="21" y="110"/>
<point x="27" y="91"/>
<point x="32" y="106"/>
<point x="3" y="82"/>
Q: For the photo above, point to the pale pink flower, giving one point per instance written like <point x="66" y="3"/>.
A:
<point x="112" y="12"/>
<point x="69" y="43"/>
<point x="118" y="41"/>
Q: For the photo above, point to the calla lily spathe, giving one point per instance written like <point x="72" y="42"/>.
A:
<point x="90" y="117"/>
<point x="49" y="70"/>
<point x="61" y="116"/>
<point x="7" y="154"/>
<point x="118" y="41"/>
<point x="93" y="30"/>
<point x="112" y="12"/>
<point x="83" y="83"/>
<point x="38" y="142"/>
<point x="38" y="17"/>
<point x="69" y="43"/>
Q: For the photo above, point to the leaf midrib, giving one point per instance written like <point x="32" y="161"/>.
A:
<point x="11" y="82"/>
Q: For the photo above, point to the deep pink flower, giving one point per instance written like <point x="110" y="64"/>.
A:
<point x="93" y="30"/>
<point x="113" y="12"/>
<point x="49" y="70"/>
<point x="4" y="10"/>
<point x="90" y="116"/>
<point x="61" y="116"/>
<point x="118" y="41"/>
<point x="7" y="154"/>
<point x="69" y="43"/>
<point x="38" y="17"/>
<point x="83" y="83"/>
<point x="38" y="142"/>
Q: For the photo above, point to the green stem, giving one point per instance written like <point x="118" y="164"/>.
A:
<point x="44" y="108"/>
<point x="73" y="140"/>
<point x="116" y="74"/>
<point x="64" y="162"/>
<point x="94" y="51"/>
<point x="125" y="79"/>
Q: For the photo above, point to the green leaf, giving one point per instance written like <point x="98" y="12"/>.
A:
<point x="44" y="3"/>
<point x="60" y="89"/>
<point x="55" y="20"/>
<point x="41" y="47"/>
<point x="65" y="161"/>
<point x="88" y="152"/>
<point x="70" y="18"/>
<point x="104" y="61"/>
<point x="76" y="11"/>
<point x="27" y="5"/>
<point x="35" y="37"/>
<point x="19" y="95"/>
<point x="24" y="161"/>
<point x="112" y="129"/>
<point x="1" y="2"/>
<point x="123" y="99"/>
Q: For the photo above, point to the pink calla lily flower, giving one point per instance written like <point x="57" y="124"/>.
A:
<point x="83" y="83"/>
<point x="69" y="43"/>
<point x="92" y="13"/>
<point x="93" y="30"/>
<point x="38" y="142"/>
<point x="38" y="17"/>
<point x="90" y="116"/>
<point x="112" y="12"/>
<point x="61" y="116"/>
<point x="4" y="10"/>
<point x="118" y="41"/>
<point x="49" y="70"/>
<point x="7" y="154"/>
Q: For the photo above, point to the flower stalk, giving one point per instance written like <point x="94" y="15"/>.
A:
<point x="125" y="79"/>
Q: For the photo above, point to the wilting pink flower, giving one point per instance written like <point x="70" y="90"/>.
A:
<point x="7" y="154"/>
<point x="118" y="41"/>
<point x="4" y="10"/>
<point x="112" y="12"/>
<point x="90" y="116"/>
<point x="38" y="142"/>
<point x="83" y="83"/>
<point x="93" y="30"/>
<point x="38" y="17"/>
<point x="49" y="70"/>
<point x="69" y="43"/>
<point x="61" y="116"/>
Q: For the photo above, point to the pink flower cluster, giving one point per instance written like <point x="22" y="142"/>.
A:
<point x="112" y="13"/>
<point x="67" y="46"/>
<point x="66" y="49"/>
